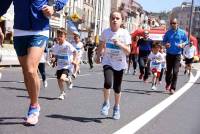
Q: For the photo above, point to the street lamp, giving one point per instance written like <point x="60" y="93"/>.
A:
<point x="191" y="19"/>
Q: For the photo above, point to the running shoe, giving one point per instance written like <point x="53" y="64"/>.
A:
<point x="141" y="76"/>
<point x="134" y="72"/>
<point x="69" y="83"/>
<point x="145" y="80"/>
<point x="105" y="108"/>
<point x="62" y="96"/>
<point x="167" y="87"/>
<point x="185" y="71"/>
<point x="79" y="71"/>
<point x="171" y="91"/>
<point x="153" y="87"/>
<point x="32" y="115"/>
<point x="74" y="75"/>
<point x="45" y="84"/>
<point x="116" y="113"/>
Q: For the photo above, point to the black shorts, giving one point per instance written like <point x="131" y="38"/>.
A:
<point x="62" y="71"/>
<point x="189" y="61"/>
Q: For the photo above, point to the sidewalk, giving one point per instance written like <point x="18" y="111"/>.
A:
<point x="9" y="56"/>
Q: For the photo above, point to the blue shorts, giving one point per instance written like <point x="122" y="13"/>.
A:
<point x="22" y="43"/>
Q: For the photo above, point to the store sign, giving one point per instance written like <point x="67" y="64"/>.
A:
<point x="75" y="17"/>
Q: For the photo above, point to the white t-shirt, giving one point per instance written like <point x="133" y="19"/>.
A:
<point x="113" y="55"/>
<point x="18" y="32"/>
<point x="164" y="60"/>
<point x="79" y="48"/>
<point x="189" y="52"/>
<point x="156" y="61"/>
<point x="64" y="55"/>
<point x="43" y="58"/>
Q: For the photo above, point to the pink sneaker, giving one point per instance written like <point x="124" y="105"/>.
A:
<point x="167" y="87"/>
<point x="141" y="76"/>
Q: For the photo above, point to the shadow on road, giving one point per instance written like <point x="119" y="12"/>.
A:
<point x="79" y="119"/>
<point x="46" y="98"/>
<point x="14" y="88"/>
<point x="11" y="81"/>
<point x="137" y="81"/>
<point x="88" y="87"/>
<point x="145" y="92"/>
<point x="11" y="120"/>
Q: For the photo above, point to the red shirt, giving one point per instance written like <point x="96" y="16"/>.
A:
<point x="134" y="48"/>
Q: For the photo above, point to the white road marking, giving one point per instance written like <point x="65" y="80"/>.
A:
<point x="143" y="119"/>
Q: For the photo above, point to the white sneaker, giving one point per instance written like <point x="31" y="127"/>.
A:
<point x="153" y="87"/>
<point x="62" y="96"/>
<point x="69" y="83"/>
<point x="0" y="75"/>
<point x="45" y="84"/>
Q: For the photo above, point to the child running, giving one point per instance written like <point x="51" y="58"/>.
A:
<point x="156" y="60"/>
<point x="163" y="64"/>
<point x="189" y="52"/>
<point x="79" y="47"/>
<point x="65" y="55"/>
<point x="114" y="46"/>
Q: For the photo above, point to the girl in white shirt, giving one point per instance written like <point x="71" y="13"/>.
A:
<point x="79" y="47"/>
<point x="189" y="52"/>
<point x="114" y="46"/>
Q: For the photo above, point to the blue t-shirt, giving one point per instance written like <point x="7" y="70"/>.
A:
<point x="145" y="45"/>
<point x="175" y="37"/>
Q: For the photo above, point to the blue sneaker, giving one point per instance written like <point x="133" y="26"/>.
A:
<point x="105" y="109"/>
<point x="32" y="115"/>
<point x="116" y="113"/>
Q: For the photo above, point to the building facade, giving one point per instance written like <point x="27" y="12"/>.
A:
<point x="132" y="13"/>
<point x="183" y="14"/>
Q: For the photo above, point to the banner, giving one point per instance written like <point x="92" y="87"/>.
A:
<point x="72" y="26"/>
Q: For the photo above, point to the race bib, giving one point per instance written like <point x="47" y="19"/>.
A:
<point x="114" y="52"/>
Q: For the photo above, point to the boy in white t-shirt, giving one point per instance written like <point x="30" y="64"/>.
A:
<point x="156" y="60"/>
<point x="189" y="52"/>
<point x="66" y="56"/>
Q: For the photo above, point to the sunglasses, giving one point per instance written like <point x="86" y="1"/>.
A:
<point x="173" y="23"/>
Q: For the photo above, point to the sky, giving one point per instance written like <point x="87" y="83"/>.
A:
<point x="162" y="5"/>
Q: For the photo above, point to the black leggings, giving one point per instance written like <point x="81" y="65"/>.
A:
<point x="41" y="68"/>
<point x="112" y="76"/>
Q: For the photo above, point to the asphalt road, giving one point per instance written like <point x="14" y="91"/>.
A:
<point x="79" y="113"/>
